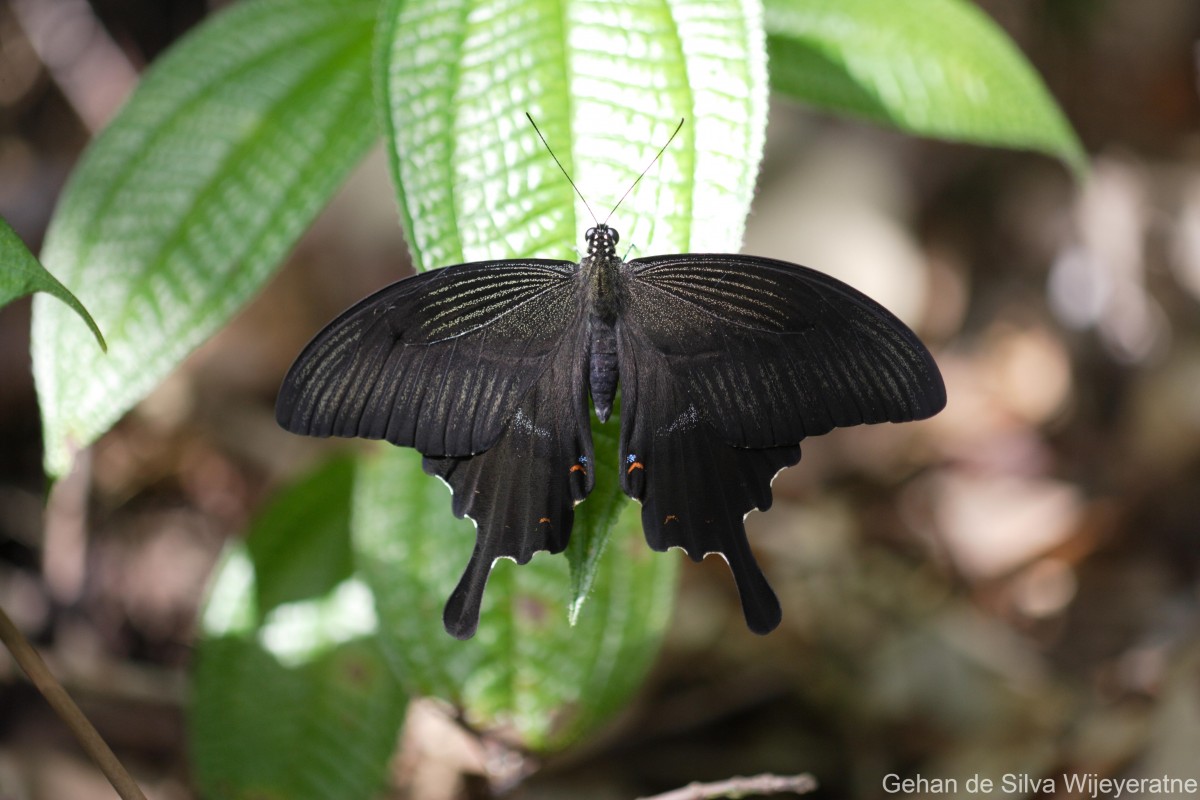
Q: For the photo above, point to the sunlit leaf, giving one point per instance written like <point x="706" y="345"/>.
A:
<point x="937" y="68"/>
<point x="187" y="202"/>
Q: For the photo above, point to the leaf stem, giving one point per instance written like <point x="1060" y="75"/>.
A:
<point x="45" y="682"/>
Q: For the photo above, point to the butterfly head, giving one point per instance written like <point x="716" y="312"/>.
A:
<point x="602" y="240"/>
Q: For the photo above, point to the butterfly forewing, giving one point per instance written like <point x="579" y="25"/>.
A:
<point x="773" y="352"/>
<point x="438" y="361"/>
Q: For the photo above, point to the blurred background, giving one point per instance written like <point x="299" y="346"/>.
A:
<point x="1012" y="587"/>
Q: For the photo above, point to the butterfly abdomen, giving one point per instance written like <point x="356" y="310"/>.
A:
<point x="602" y="366"/>
<point x="604" y="293"/>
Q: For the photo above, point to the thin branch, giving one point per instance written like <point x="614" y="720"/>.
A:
<point x="742" y="787"/>
<point x="65" y="707"/>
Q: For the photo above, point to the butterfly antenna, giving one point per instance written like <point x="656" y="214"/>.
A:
<point x="566" y="174"/>
<point x="653" y="161"/>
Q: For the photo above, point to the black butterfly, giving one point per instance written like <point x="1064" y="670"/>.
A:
<point x="726" y="362"/>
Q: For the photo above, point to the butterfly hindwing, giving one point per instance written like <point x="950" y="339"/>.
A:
<point x="695" y="489"/>
<point x="522" y="491"/>
<point x="775" y="352"/>
<point x="436" y="362"/>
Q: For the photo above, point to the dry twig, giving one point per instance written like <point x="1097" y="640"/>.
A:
<point x="741" y="787"/>
<point x="29" y="660"/>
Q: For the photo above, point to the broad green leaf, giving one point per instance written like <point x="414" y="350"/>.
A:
<point x="292" y="695"/>
<point x="300" y="543"/>
<point x="607" y="82"/>
<point x="528" y="671"/>
<point x="937" y="68"/>
<point x="299" y="704"/>
<point x="187" y="202"/>
<point x="22" y="274"/>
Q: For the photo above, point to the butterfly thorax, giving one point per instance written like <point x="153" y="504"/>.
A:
<point x="602" y="273"/>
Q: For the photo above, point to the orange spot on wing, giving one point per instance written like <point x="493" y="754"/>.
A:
<point x="670" y="518"/>
<point x="579" y="468"/>
<point x="633" y="466"/>
<point x="544" y="519"/>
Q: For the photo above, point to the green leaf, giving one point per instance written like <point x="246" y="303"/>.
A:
<point x="22" y="274"/>
<point x="937" y="68"/>
<point x="262" y="730"/>
<point x="292" y="695"/>
<point x="527" y="671"/>
<point x="300" y="542"/>
<point x="595" y="519"/>
<point x="607" y="83"/>
<point x="187" y="202"/>
<point x="299" y="705"/>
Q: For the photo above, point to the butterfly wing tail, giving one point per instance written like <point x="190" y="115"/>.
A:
<point x="461" y="616"/>
<point x="760" y="606"/>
